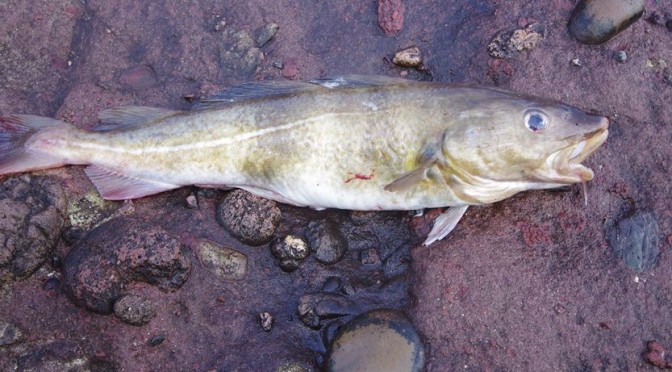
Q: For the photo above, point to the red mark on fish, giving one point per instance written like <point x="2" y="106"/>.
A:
<point x="360" y="176"/>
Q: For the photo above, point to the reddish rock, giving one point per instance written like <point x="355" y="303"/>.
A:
<point x="138" y="77"/>
<point x="120" y="252"/>
<point x="534" y="234"/>
<point x="391" y="16"/>
<point x="657" y="355"/>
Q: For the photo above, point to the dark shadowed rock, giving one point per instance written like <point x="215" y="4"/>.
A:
<point x="134" y="310"/>
<point x="118" y="252"/>
<point x="596" y="21"/>
<point x="249" y="218"/>
<point x="379" y="340"/>
<point x="59" y="355"/>
<point x="266" y="33"/>
<point x="313" y="308"/>
<point x="634" y="239"/>
<point x="326" y="241"/>
<point x="32" y="217"/>
<point x="9" y="334"/>
<point x="138" y="77"/>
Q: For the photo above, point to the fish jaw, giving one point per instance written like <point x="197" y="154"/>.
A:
<point x="564" y="166"/>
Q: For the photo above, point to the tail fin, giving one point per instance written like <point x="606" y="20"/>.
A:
<point x="16" y="155"/>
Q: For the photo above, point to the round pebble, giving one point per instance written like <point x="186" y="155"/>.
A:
<point x="409" y="57"/>
<point x="596" y="21"/>
<point x="621" y="56"/>
<point x="291" y="247"/>
<point x="249" y="218"/>
<point x="379" y="340"/>
<point x="266" y="321"/>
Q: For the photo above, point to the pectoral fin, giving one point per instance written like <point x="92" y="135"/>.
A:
<point x="429" y="155"/>
<point x="445" y="223"/>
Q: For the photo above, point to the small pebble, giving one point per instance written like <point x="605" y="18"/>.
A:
<point x="292" y="367"/>
<point x="224" y="262"/>
<point x="249" y="218"/>
<point x="621" y="56"/>
<point x="290" y="247"/>
<point x="634" y="239"/>
<point x="51" y="284"/>
<point x="266" y="33"/>
<point x="56" y="262"/>
<point x="220" y="25"/>
<point x="192" y="203"/>
<point x="156" y="340"/>
<point x="332" y="284"/>
<point x="370" y="257"/>
<point x="506" y="44"/>
<point x="278" y="65"/>
<point x="134" y="310"/>
<point x="379" y="340"/>
<point x="289" y="265"/>
<point x="596" y="21"/>
<point x="138" y="77"/>
<point x="9" y="334"/>
<point x="409" y="57"/>
<point x="576" y="62"/>
<point x="266" y="320"/>
<point x="326" y="241"/>
<point x="657" y="355"/>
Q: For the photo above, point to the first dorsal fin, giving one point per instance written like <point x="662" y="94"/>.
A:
<point x="356" y="81"/>
<point x="265" y="89"/>
<point x="129" y="116"/>
<point x="255" y="90"/>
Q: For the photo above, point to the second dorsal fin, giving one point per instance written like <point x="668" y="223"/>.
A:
<point x="129" y="116"/>
<point x="255" y="90"/>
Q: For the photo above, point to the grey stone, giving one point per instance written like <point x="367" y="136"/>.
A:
<point x="634" y="239"/>
<point x="596" y="21"/>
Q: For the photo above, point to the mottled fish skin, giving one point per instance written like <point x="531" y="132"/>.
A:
<point x="360" y="143"/>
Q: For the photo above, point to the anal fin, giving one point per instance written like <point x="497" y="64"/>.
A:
<point x="115" y="186"/>
<point x="445" y="223"/>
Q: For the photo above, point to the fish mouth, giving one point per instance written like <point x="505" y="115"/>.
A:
<point x="564" y="166"/>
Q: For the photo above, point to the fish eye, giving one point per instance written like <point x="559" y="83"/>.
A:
<point x="536" y="121"/>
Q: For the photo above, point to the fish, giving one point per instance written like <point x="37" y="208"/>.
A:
<point x="350" y="142"/>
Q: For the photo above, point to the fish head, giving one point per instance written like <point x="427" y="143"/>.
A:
<point x="523" y="143"/>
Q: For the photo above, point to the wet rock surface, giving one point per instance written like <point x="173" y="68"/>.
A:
<point x="596" y="21"/>
<point x="120" y="252"/>
<point x="30" y="225"/>
<point x="380" y="340"/>
<point x="634" y="239"/>
<point x="250" y="218"/>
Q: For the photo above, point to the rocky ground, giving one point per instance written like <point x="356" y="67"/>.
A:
<point x="180" y="281"/>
